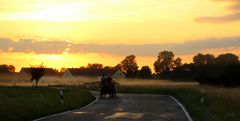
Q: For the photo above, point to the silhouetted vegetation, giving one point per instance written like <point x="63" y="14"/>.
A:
<point x="145" y="72"/>
<point x="129" y="66"/>
<point x="200" y="59"/>
<point x="166" y="62"/>
<point x="227" y="58"/>
<point x="224" y="70"/>
<point x="7" y="69"/>
<point x="6" y="73"/>
<point x="51" y="72"/>
<point x="207" y="69"/>
<point x="37" y="72"/>
<point x="92" y="70"/>
<point x="184" y="72"/>
<point x="231" y="75"/>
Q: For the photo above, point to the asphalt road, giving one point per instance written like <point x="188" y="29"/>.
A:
<point x="128" y="107"/>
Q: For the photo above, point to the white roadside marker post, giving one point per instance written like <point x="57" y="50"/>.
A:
<point x="14" y="80"/>
<point x="203" y="96"/>
<point x="202" y="102"/>
<point x="61" y="96"/>
<point x="14" y="83"/>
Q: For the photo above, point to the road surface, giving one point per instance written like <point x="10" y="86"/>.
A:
<point x="128" y="107"/>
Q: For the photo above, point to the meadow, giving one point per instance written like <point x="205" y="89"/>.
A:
<point x="53" y="80"/>
<point x="24" y="80"/>
<point x="27" y="103"/>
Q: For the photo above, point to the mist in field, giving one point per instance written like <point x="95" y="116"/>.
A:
<point x="23" y="80"/>
<point x="20" y="80"/>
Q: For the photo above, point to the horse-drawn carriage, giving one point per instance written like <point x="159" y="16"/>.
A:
<point x="107" y="86"/>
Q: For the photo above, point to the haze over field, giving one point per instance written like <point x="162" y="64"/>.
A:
<point x="71" y="33"/>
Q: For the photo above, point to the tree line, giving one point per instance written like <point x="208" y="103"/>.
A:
<point x="206" y="68"/>
<point x="165" y="63"/>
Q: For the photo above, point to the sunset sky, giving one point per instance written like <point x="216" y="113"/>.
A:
<point x="72" y="33"/>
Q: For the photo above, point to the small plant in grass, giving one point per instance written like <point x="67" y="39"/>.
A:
<point x="37" y="73"/>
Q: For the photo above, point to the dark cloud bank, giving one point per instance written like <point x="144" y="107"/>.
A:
<point x="59" y="46"/>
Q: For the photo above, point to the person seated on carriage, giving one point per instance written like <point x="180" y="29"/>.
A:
<point x="107" y="86"/>
<point x="113" y="89"/>
<point x="111" y="86"/>
<point x="103" y="86"/>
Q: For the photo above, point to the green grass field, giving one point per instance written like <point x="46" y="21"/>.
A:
<point x="26" y="103"/>
<point x="221" y="104"/>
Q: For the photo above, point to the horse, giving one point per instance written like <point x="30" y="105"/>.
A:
<point x="107" y="86"/>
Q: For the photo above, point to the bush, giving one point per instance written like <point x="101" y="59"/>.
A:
<point x="226" y="75"/>
<point x="231" y="76"/>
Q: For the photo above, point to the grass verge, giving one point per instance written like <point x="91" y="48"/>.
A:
<point x="220" y="104"/>
<point x="26" y="103"/>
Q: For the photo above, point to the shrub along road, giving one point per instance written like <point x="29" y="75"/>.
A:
<point x="128" y="107"/>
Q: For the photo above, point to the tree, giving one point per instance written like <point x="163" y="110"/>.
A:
<point x="62" y="70"/>
<point x="230" y="76"/>
<point x="119" y="66"/>
<point x="145" y="72"/>
<point x="129" y="65"/>
<point x="210" y="59"/>
<point x="201" y="59"/>
<point x="177" y="62"/>
<point x="37" y="72"/>
<point x="4" y="68"/>
<point x="95" y="66"/>
<point x="164" y="63"/>
<point x="7" y="68"/>
<point x="11" y="68"/>
<point x="227" y="58"/>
